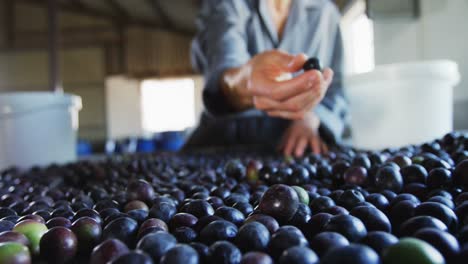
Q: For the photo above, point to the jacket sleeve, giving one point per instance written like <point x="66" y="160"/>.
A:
<point x="220" y="44"/>
<point x="333" y="110"/>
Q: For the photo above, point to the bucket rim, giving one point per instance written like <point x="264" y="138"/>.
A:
<point x="20" y="102"/>
<point x="409" y="71"/>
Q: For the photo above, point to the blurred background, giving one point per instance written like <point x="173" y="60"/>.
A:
<point x="129" y="60"/>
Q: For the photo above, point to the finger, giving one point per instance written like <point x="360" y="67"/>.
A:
<point x="293" y="105"/>
<point x="324" y="147"/>
<point x="304" y="101"/>
<point x="265" y="104"/>
<point x="301" y="146"/>
<point x="300" y="102"/>
<point x="325" y="78"/>
<point x="293" y="66"/>
<point x="287" y="114"/>
<point x="281" y="57"/>
<point x="294" y="115"/>
<point x="286" y="61"/>
<point x="290" y="142"/>
<point x="328" y="76"/>
<point x="297" y="63"/>
<point x="315" y="145"/>
<point x="282" y="143"/>
<point x="281" y="91"/>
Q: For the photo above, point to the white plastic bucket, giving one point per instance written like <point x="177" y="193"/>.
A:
<point x="38" y="128"/>
<point x="402" y="104"/>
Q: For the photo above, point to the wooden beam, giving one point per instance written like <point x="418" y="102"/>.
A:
<point x="120" y="28"/>
<point x="9" y="23"/>
<point x="77" y="7"/>
<point x="55" y="80"/>
<point x="70" y="38"/>
<point x="173" y="73"/>
<point x="122" y="48"/>
<point x="118" y="9"/>
<point x="158" y="9"/>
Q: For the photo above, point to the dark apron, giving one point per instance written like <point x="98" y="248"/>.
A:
<point x="259" y="131"/>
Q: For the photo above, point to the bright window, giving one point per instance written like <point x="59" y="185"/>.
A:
<point x="168" y="105"/>
<point x="362" y="44"/>
<point x="358" y="39"/>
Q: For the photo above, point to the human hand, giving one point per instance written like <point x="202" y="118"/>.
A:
<point x="296" y="106"/>
<point x="256" y="84"/>
<point x="268" y="73"/>
<point x="302" y="134"/>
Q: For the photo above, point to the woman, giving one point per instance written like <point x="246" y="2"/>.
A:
<point x="243" y="49"/>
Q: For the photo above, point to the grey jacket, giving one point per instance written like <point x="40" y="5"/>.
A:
<point x="233" y="31"/>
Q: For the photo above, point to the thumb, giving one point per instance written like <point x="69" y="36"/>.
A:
<point x="287" y="62"/>
<point x="328" y="75"/>
<point x="296" y="63"/>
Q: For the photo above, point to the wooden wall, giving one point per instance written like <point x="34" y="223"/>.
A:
<point x="155" y="52"/>
<point x="92" y="49"/>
